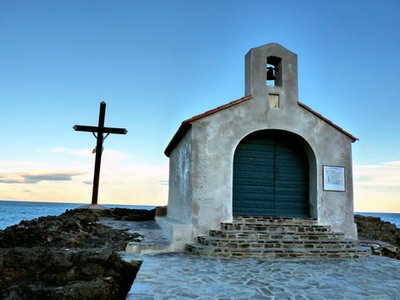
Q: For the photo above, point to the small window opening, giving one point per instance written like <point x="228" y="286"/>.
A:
<point x="273" y="71"/>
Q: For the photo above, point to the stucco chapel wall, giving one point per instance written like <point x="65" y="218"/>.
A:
<point x="180" y="181"/>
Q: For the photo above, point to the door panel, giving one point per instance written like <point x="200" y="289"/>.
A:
<point x="270" y="176"/>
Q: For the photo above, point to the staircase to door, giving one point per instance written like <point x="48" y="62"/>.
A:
<point x="267" y="237"/>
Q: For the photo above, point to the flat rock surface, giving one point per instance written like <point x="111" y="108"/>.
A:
<point x="144" y="231"/>
<point x="184" y="276"/>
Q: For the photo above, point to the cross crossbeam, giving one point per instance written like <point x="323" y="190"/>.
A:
<point x="100" y="130"/>
<point x="96" y="129"/>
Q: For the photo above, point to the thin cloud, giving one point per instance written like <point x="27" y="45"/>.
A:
<point x="59" y="150"/>
<point x="121" y="181"/>
<point x="33" y="178"/>
<point x="379" y="175"/>
<point x="108" y="154"/>
<point x="377" y="187"/>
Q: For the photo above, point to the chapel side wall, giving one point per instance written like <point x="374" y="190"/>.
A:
<point x="180" y="181"/>
<point x="336" y="208"/>
<point x="211" y="168"/>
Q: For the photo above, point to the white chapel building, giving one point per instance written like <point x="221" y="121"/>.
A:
<point x="265" y="154"/>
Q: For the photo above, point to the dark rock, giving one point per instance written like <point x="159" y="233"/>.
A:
<point x="40" y="273"/>
<point x="133" y="214"/>
<point x="161" y="210"/>
<point x="125" y="214"/>
<point x="71" y="256"/>
<point x="71" y="229"/>
<point x="383" y="237"/>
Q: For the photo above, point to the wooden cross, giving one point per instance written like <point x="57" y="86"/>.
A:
<point x="100" y="130"/>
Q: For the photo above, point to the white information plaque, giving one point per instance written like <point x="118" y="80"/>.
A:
<point x="334" y="179"/>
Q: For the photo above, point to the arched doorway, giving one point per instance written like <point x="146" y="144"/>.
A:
<point x="271" y="175"/>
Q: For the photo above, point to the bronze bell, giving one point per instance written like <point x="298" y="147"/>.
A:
<point x="271" y="73"/>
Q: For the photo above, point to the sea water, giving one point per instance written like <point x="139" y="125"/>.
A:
<point x="13" y="212"/>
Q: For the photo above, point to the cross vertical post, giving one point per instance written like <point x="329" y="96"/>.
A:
<point x="99" y="151"/>
<point x="100" y="130"/>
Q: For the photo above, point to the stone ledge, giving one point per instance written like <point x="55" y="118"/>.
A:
<point x="276" y="243"/>
<point x="147" y="248"/>
<point x="275" y="227"/>
<point x="275" y="234"/>
<point x="177" y="233"/>
<point x="359" y="252"/>
<point x="274" y="220"/>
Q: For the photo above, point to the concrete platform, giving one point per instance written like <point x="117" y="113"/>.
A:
<point x="152" y="238"/>
<point x="184" y="276"/>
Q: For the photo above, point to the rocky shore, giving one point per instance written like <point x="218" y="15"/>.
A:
<point x="74" y="256"/>
<point x="383" y="237"/>
<point x="71" y="256"/>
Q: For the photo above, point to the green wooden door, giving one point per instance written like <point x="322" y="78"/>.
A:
<point x="270" y="176"/>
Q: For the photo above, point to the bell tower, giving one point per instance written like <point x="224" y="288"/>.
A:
<point x="271" y="73"/>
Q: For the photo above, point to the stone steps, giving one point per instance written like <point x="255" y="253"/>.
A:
<point x="274" y="220"/>
<point x="275" y="244"/>
<point x="269" y="237"/>
<point x="283" y="227"/>
<point x="358" y="252"/>
<point x="241" y="234"/>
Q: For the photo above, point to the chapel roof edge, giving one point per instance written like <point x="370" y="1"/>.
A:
<point x="187" y="124"/>
<point x="329" y="122"/>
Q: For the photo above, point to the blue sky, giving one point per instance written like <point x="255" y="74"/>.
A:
<point x="157" y="63"/>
